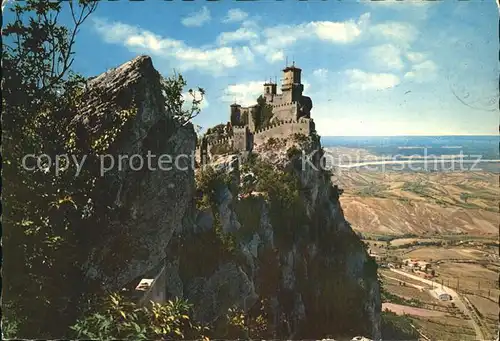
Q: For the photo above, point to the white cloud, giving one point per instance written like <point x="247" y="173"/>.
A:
<point x="416" y="9"/>
<point x="275" y="56"/>
<point x="235" y="15"/>
<point x="415" y="57"/>
<point x="360" y="80"/>
<point x="422" y="72"/>
<point x="270" y="42"/>
<point x="398" y="32"/>
<point x="244" y="93"/>
<point x="197" y="19"/>
<point x="387" y="56"/>
<point x="320" y="73"/>
<point x="307" y="86"/>
<point x="241" y="34"/>
<point x="330" y="31"/>
<point x="188" y="100"/>
<point x="177" y="52"/>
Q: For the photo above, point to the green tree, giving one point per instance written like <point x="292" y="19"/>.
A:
<point x="119" y="319"/>
<point x="464" y="196"/>
<point x="50" y="220"/>
<point x="183" y="109"/>
<point x="38" y="97"/>
<point x="262" y="114"/>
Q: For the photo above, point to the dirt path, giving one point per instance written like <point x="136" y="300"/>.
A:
<point x="457" y="299"/>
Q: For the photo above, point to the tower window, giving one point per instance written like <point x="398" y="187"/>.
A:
<point x="267" y="90"/>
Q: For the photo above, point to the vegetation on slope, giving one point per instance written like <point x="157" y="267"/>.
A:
<point x="50" y="218"/>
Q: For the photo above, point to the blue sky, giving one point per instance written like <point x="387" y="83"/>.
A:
<point x="406" y="68"/>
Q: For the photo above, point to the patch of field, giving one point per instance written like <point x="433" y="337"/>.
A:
<point x="489" y="309"/>
<point x="439" y="253"/>
<point x="470" y="279"/>
<point x="408" y="241"/>
<point x="445" y="328"/>
<point x="406" y="292"/>
<point x="403" y="309"/>
<point x="470" y="270"/>
<point x="423" y="204"/>
<point x="397" y="277"/>
<point x="420" y="299"/>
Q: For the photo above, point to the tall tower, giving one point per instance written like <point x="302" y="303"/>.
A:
<point x="235" y="116"/>
<point x="270" y="91"/>
<point x="291" y="87"/>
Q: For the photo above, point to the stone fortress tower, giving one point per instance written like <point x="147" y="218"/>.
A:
<point x="291" y="114"/>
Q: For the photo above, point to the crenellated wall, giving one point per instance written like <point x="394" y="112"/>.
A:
<point x="286" y="111"/>
<point x="284" y="129"/>
<point x="240" y="138"/>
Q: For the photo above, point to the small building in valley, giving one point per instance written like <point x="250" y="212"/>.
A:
<point x="442" y="295"/>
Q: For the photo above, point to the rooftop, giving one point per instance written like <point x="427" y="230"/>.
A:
<point x="293" y="67"/>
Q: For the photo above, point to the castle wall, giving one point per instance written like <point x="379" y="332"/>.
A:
<point x="240" y="138"/>
<point x="276" y="99"/>
<point x="283" y="130"/>
<point x="285" y="112"/>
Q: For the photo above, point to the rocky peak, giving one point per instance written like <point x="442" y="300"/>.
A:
<point x="231" y="243"/>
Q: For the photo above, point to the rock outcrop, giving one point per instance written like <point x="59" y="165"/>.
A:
<point x="307" y="265"/>
<point x="153" y="202"/>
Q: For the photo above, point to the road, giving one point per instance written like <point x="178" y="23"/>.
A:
<point x="457" y="299"/>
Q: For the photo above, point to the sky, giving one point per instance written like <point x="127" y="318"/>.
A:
<point x="371" y="68"/>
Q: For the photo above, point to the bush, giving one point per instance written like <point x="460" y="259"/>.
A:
<point x="237" y="324"/>
<point x="395" y="327"/>
<point x="208" y="180"/>
<point x="283" y="192"/>
<point x="123" y="320"/>
<point x="222" y="148"/>
<point x="300" y="138"/>
<point x="292" y="152"/>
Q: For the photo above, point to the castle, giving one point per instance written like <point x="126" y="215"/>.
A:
<point x="291" y="114"/>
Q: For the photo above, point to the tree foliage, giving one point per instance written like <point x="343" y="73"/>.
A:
<point x="262" y="114"/>
<point x="51" y="219"/>
<point x="119" y="319"/>
<point x="183" y="109"/>
<point x="41" y="208"/>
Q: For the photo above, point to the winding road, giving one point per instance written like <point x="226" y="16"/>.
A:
<point x="457" y="299"/>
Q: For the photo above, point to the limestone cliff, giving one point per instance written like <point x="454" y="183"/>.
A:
<point x="307" y="262"/>
<point x="242" y="246"/>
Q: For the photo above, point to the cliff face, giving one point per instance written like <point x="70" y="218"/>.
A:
<point x="151" y="203"/>
<point x="307" y="262"/>
<point x="243" y="248"/>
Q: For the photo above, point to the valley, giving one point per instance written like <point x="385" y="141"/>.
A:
<point x="432" y="234"/>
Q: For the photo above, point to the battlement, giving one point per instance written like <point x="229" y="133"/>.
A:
<point x="284" y="104"/>
<point x="273" y="125"/>
<point x="220" y="141"/>
<point x="285" y="128"/>
<point x="239" y="129"/>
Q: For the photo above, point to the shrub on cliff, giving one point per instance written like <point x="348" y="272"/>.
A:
<point x="118" y="319"/>
<point x="282" y="189"/>
<point x="208" y="181"/>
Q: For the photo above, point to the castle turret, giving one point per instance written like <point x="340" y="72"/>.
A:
<point x="270" y="90"/>
<point x="235" y="116"/>
<point x="292" y="87"/>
